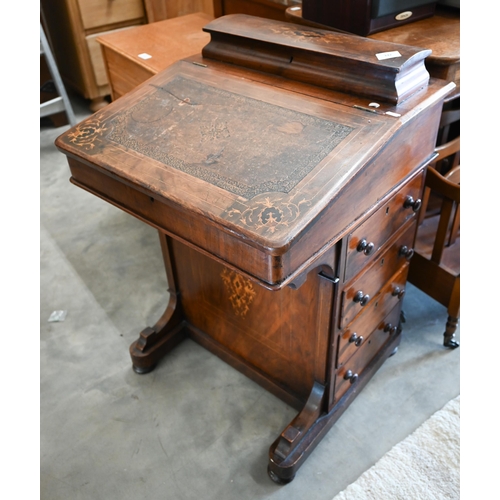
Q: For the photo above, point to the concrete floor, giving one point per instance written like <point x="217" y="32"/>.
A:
<point x="193" y="428"/>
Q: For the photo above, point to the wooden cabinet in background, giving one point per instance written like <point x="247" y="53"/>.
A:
<point x="158" y="10"/>
<point x="73" y="26"/>
<point x="134" y="55"/>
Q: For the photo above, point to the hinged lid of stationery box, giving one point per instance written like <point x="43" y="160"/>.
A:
<point x="337" y="61"/>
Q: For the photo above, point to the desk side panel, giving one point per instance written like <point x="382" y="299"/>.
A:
<point x="281" y="335"/>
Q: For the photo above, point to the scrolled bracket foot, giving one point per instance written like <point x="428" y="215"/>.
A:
<point x="153" y="343"/>
<point x="285" y="454"/>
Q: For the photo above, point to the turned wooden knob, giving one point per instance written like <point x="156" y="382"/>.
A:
<point x="365" y="247"/>
<point x="406" y="252"/>
<point x="355" y="339"/>
<point x="352" y="377"/>
<point x="361" y="298"/>
<point x="390" y="328"/>
<point x="398" y="292"/>
<point x="413" y="204"/>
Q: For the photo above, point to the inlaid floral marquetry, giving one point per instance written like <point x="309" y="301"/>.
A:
<point x="268" y="215"/>
<point x="295" y="33"/>
<point x="241" y="291"/>
<point x="87" y="132"/>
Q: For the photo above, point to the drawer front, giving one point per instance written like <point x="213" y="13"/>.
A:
<point x="358" y="362"/>
<point x="358" y="332"/>
<point x="361" y="291"/>
<point x="96" y="13"/>
<point x="365" y="242"/>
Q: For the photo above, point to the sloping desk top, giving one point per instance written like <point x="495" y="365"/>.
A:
<point x="249" y="167"/>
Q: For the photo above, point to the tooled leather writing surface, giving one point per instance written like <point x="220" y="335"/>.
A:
<point x="237" y="143"/>
<point x="260" y="160"/>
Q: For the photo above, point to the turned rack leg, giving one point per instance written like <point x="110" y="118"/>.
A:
<point x="154" y="342"/>
<point x="449" y="334"/>
<point x="453" y="316"/>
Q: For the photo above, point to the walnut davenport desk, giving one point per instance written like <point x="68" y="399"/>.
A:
<point x="283" y="168"/>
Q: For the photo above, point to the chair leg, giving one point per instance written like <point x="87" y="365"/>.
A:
<point x="449" y="334"/>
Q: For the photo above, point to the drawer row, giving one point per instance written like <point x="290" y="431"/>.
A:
<point x="369" y="239"/>
<point x="349" y="372"/>
<point x="99" y="13"/>
<point x="358" y="332"/>
<point x="360" y="292"/>
<point x="375" y="275"/>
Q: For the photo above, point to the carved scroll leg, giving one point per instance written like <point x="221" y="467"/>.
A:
<point x="153" y="343"/>
<point x="292" y="437"/>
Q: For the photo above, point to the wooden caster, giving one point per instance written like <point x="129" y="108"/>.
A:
<point x="277" y="479"/>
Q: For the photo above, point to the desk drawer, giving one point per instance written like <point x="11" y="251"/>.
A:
<point x="97" y="13"/>
<point x="365" y="242"/>
<point x="357" y="333"/>
<point x="360" y="360"/>
<point x="359" y="293"/>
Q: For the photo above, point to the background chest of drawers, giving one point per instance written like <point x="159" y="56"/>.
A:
<point x="73" y="26"/>
<point x="132" y="56"/>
